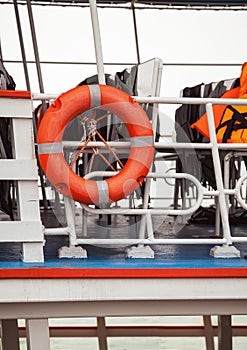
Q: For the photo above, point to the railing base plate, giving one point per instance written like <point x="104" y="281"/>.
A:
<point x="225" y="251"/>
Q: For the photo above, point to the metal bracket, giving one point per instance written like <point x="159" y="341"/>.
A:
<point x="72" y="252"/>
<point x="140" y="252"/>
<point x="225" y="251"/>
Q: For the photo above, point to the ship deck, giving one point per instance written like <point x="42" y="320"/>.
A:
<point x="173" y="259"/>
<point x="182" y="279"/>
<point x="110" y="261"/>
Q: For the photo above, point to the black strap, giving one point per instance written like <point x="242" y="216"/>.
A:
<point x="231" y="124"/>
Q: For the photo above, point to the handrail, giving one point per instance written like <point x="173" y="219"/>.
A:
<point x="153" y="211"/>
<point x="164" y="100"/>
<point x="212" y="146"/>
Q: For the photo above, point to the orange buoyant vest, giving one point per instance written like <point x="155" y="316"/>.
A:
<point x="233" y="124"/>
<point x="201" y="124"/>
<point x="223" y="114"/>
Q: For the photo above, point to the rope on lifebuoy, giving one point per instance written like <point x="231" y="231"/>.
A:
<point x="50" y="133"/>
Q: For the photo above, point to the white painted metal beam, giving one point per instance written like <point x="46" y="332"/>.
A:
<point x="38" y="334"/>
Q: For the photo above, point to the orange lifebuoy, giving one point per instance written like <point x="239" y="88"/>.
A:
<point x="51" y="157"/>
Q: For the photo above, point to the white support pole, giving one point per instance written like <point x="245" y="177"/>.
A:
<point x="98" y="52"/>
<point x="101" y="78"/>
<point x="97" y="41"/>
<point x="218" y="174"/>
<point x="27" y="227"/>
<point x="70" y="217"/>
<point x="38" y="337"/>
<point x="27" y="191"/>
<point x="100" y="71"/>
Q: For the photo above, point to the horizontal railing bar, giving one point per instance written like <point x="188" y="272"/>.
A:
<point x="132" y="211"/>
<point x="191" y="100"/>
<point x="126" y="144"/>
<point x="155" y="241"/>
<point x="137" y="331"/>
<point x="166" y="100"/>
<point x="18" y="169"/>
<point x="54" y="231"/>
<point x="239" y="239"/>
<point x="173" y="64"/>
<point x="152" y="211"/>
<point x="173" y="146"/>
<point x="20" y="231"/>
<point x="131" y="241"/>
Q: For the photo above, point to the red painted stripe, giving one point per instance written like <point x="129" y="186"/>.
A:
<point x="53" y="273"/>
<point x="15" y="94"/>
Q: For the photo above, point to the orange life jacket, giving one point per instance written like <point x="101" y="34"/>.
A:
<point x="233" y="124"/>
<point x="219" y="111"/>
<point x="201" y="124"/>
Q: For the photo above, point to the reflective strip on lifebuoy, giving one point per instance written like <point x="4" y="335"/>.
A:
<point x="50" y="134"/>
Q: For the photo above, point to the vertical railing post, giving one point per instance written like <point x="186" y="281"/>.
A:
<point x="97" y="41"/>
<point x="226" y="250"/>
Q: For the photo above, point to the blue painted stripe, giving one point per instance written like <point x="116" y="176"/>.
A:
<point x="130" y="263"/>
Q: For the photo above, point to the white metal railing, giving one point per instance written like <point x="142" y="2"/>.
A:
<point x="27" y="227"/>
<point x="221" y="193"/>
